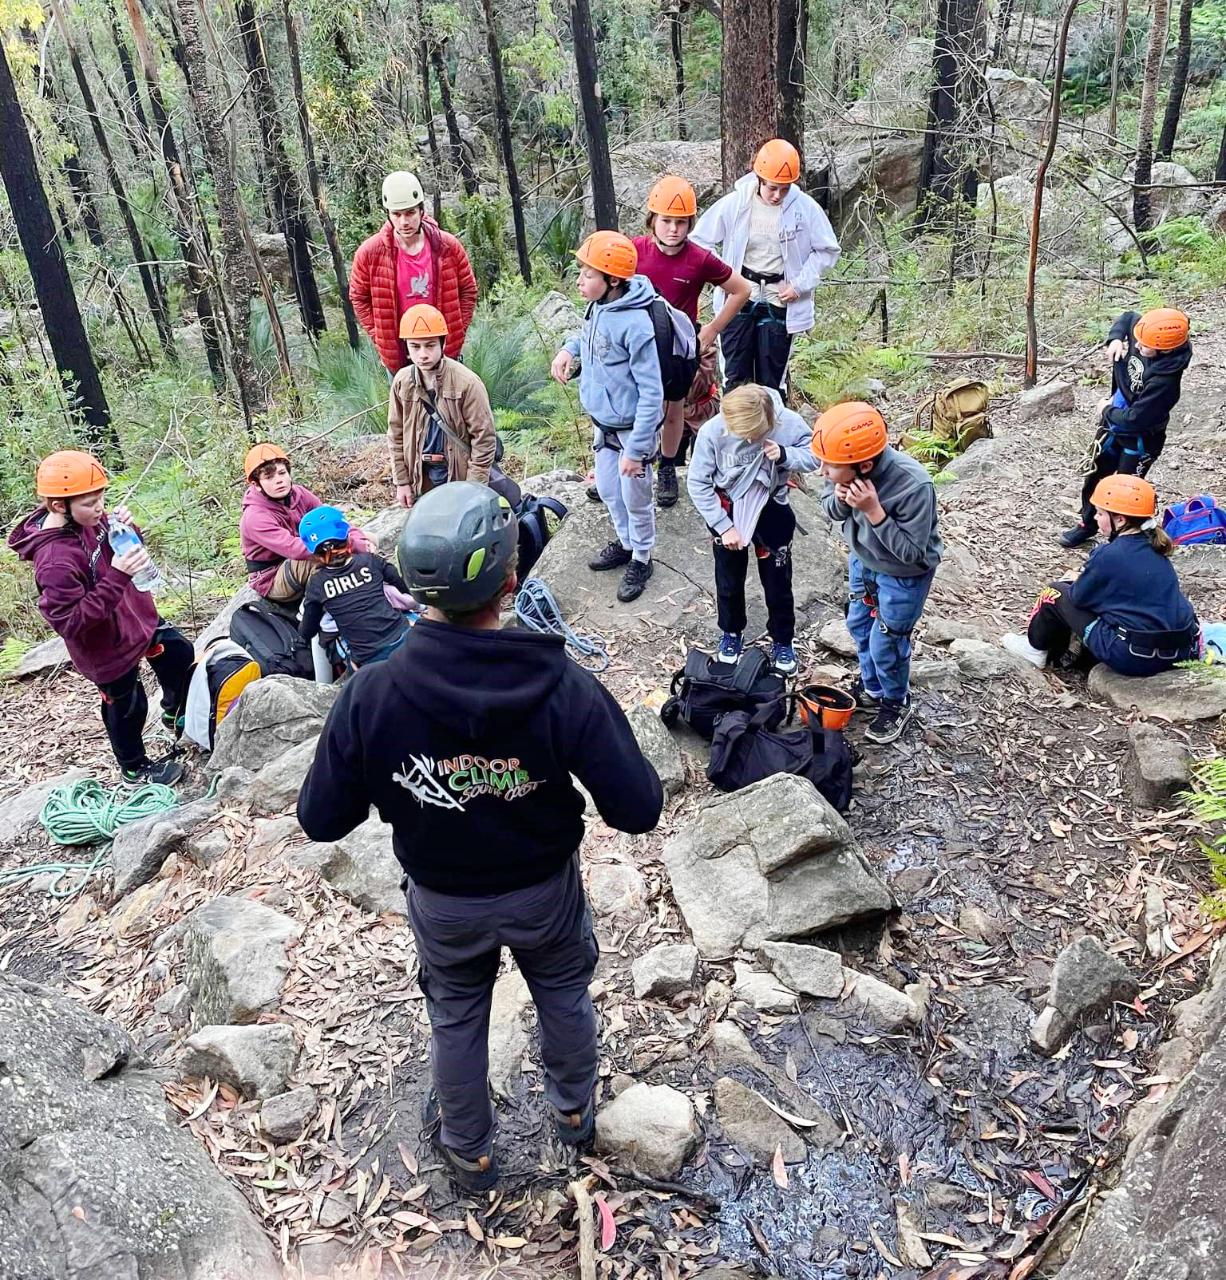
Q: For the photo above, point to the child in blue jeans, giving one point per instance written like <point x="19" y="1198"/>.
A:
<point x="885" y="504"/>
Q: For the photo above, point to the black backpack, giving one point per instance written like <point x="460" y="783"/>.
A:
<point x="704" y="689"/>
<point x="534" y="532"/>
<point x="676" y="348"/>
<point x="270" y="636"/>
<point x="750" y="746"/>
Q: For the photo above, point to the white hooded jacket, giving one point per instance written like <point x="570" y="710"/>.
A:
<point x="806" y="240"/>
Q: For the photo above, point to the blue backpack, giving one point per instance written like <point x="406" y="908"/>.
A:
<point x="1197" y="520"/>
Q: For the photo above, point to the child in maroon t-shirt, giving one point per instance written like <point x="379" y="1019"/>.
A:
<point x="678" y="269"/>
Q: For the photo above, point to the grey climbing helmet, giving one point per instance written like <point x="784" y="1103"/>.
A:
<point x="458" y="545"/>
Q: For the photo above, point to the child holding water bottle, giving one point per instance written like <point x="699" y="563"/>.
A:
<point x="94" y="579"/>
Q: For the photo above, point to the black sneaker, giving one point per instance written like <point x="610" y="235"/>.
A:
<point x="634" y="581"/>
<point x="472" y="1175"/>
<point x="1078" y="534"/>
<point x="613" y="556"/>
<point x="576" y="1128"/>
<point x="163" y="772"/>
<point x="666" y="485"/>
<point x="890" y="721"/>
<point x="864" y="700"/>
<point x="593" y="494"/>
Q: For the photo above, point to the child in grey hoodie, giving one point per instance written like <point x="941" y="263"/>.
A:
<point x="738" y="480"/>
<point x="621" y="389"/>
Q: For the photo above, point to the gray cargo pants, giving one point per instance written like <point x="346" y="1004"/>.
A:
<point x="548" y="928"/>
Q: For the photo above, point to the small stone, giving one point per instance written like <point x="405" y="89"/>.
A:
<point x="1041" y="402"/>
<point x="206" y="848"/>
<point x="362" y="865"/>
<point x="652" y="1127"/>
<point x="134" y="914"/>
<point x="334" y="1210"/>
<point x="660" y="748"/>
<point x="976" y="923"/>
<point x="946" y="630"/>
<point x="761" y="990"/>
<point x="19" y="813"/>
<point x="920" y="993"/>
<point x="284" y="1116"/>
<point x="911" y="882"/>
<point x="665" y="971"/>
<point x="616" y="889"/>
<point x="750" y="1123"/>
<point x="812" y="971"/>
<point x="882" y="1005"/>
<point x="836" y="637"/>
<point x="175" y="1005"/>
<point x="718" y="995"/>
<point x="823" y="1024"/>
<point x="983" y="660"/>
<point x="255" y="1060"/>
<point x="320" y="1260"/>
<point x="267" y="833"/>
<point x="1087" y="978"/>
<point x="935" y="673"/>
<point x="1157" y="768"/>
<point x="75" y="916"/>
<point x="1048" y="1030"/>
<point x="730" y="1047"/>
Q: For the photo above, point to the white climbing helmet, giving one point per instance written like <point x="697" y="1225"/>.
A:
<point x="401" y="190"/>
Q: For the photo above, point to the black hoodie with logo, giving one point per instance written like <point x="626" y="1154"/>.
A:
<point x="1149" y="386"/>
<point x="465" y="742"/>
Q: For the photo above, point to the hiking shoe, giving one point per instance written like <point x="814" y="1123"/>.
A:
<point x="730" y="646"/>
<point x="783" y="659"/>
<point x="612" y="556"/>
<point x="576" y="1128"/>
<point x="1017" y="644"/>
<point x="164" y="772"/>
<point x="472" y="1175"/>
<point x="890" y="721"/>
<point x="1078" y="534"/>
<point x="173" y="720"/>
<point x="864" y="700"/>
<point x="666" y="485"/>
<point x="634" y="580"/>
<point x="593" y="493"/>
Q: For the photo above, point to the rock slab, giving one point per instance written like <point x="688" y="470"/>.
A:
<point x="652" y="1127"/>
<point x="255" y="1060"/>
<point x="1178" y="696"/>
<point x="660" y="748"/>
<point x="362" y="866"/>
<point x="1157" y="766"/>
<point x="19" y="813"/>
<point x="508" y="1037"/>
<point x="812" y="971"/>
<point x="748" y="1120"/>
<point x="273" y="715"/>
<point x="665" y="972"/>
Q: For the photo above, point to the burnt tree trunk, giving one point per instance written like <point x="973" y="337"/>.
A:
<point x="1219" y="172"/>
<point x="1117" y="58"/>
<point x="505" y="142"/>
<point x="675" y="45"/>
<point x="1145" y="120"/>
<point x="459" y="155"/>
<point x="749" y="96"/>
<point x="792" y="50"/>
<point x="423" y="68"/>
<point x="52" y="284"/>
<point x="131" y="85"/>
<point x="1179" y="82"/>
<point x="286" y="194"/>
<point x="591" y="99"/>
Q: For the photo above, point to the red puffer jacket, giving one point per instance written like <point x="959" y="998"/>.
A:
<point x="372" y="290"/>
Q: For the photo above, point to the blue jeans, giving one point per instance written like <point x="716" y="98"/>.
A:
<point x="883" y="641"/>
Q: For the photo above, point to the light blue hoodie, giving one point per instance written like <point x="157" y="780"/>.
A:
<point x="619" y="380"/>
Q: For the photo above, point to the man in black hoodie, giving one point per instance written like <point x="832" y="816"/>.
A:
<point x="1148" y="356"/>
<point x="465" y="741"/>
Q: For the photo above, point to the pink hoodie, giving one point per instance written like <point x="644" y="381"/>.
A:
<point x="268" y="531"/>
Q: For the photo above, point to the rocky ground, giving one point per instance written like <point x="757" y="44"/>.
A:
<point x="927" y="1091"/>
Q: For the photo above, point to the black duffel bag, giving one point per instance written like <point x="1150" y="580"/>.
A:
<point x="705" y="689"/>
<point x="751" y="745"/>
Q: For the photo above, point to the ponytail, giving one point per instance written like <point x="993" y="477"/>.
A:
<point x="1159" y="540"/>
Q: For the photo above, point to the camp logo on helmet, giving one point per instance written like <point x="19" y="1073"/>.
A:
<point x="451" y="784"/>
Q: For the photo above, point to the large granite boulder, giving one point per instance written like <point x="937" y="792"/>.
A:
<point x="362" y="866"/>
<point x="273" y="715"/>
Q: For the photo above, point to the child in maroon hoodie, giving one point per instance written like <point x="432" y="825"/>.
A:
<point x="86" y="594"/>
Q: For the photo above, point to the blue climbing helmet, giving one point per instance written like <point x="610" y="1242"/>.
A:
<point x="323" y="524"/>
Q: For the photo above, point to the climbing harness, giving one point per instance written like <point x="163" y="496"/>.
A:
<point x="536" y="608"/>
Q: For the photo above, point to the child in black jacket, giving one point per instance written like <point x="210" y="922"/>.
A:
<point x="1148" y="356"/>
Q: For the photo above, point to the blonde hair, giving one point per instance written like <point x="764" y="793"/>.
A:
<point x="748" y="411"/>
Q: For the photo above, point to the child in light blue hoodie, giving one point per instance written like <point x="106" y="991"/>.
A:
<point x="620" y="388"/>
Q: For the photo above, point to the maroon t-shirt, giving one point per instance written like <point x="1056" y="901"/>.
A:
<point x="679" y="278"/>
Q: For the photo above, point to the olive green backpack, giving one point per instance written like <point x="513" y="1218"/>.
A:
<point x="959" y="414"/>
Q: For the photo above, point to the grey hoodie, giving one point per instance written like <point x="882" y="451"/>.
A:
<point x="726" y="462"/>
<point x="906" y="543"/>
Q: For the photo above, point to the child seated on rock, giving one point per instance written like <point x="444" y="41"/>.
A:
<point x="738" y="480"/>
<point x="279" y="565"/>
<point x="351" y="587"/>
<point x="1148" y="356"/>
<point x="1126" y="608"/>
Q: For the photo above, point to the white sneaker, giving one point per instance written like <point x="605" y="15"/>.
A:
<point x="1020" y="647"/>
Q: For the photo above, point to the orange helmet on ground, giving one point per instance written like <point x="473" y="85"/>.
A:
<point x="849" y="433"/>
<point x="259" y="454"/>
<point x="68" y="474"/>
<point x="779" y="162"/>
<point x="1164" y="329"/>
<point x="423" y="321"/>
<point x="610" y="253"/>
<point x="672" y="197"/>
<point x="1126" y="496"/>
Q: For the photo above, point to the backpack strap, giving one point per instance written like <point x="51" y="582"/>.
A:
<point x="925" y="406"/>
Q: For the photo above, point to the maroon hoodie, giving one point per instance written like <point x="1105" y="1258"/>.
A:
<point x="106" y="622"/>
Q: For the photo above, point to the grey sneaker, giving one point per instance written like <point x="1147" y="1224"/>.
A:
<point x="890" y="721"/>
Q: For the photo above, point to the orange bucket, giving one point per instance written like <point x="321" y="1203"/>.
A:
<point x="830" y="707"/>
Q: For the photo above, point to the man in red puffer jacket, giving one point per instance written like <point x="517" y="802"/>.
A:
<point x="408" y="261"/>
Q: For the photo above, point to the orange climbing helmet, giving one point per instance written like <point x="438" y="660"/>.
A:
<point x="778" y="162"/>
<point x="259" y="454"/>
<point x="68" y="474"/>
<point x="610" y="253"/>
<point x="423" y="321"/>
<point x="672" y="197"/>
<point x="849" y="433"/>
<point x="1126" y="496"/>
<point x="1164" y="329"/>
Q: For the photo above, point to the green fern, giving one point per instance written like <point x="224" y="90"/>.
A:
<point x="504" y="354"/>
<point x="1207" y="802"/>
<point x="556" y="230"/>
<point x="349" y="381"/>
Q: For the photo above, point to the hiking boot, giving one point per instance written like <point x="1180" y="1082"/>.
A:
<point x="163" y="772"/>
<point x="864" y="700"/>
<point x="478" y="1175"/>
<point x="173" y="720"/>
<point x="1017" y="644"/>
<point x="593" y="494"/>
<point x="634" y="580"/>
<point x="783" y="659"/>
<point x="576" y="1128"/>
<point x="730" y="646"/>
<point x="890" y="721"/>
<point x="1078" y="534"/>
<point x="612" y="556"/>
<point x="666" y="485"/>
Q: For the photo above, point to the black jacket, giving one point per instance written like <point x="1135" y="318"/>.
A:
<point x="465" y="742"/>
<point x="353" y="594"/>
<point x="1149" y="387"/>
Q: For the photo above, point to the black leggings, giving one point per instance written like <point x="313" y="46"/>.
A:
<point x="1056" y="620"/>
<point x="124" y="704"/>
<point x="1114" y="454"/>
<point x="772" y="552"/>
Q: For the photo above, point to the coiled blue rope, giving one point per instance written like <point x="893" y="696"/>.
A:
<point x="536" y="608"/>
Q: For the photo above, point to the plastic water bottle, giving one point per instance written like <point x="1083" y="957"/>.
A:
<point x="122" y="538"/>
